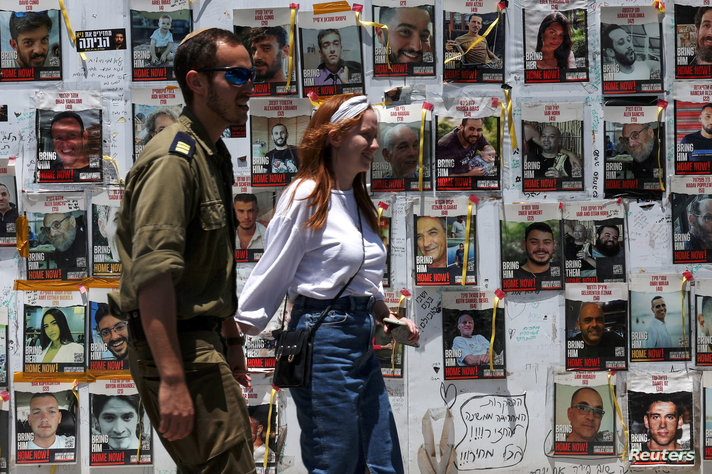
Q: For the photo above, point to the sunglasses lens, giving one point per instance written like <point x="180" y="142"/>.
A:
<point x="238" y="75"/>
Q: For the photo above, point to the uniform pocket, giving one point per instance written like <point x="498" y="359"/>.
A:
<point x="212" y="215"/>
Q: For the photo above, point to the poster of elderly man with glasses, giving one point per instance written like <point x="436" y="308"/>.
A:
<point x="638" y="167"/>
<point x="692" y="219"/>
<point x="584" y="415"/>
<point x="58" y="236"/>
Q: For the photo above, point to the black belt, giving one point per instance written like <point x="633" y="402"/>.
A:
<point x="198" y="323"/>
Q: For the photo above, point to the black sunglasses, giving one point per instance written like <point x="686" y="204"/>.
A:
<point x="234" y="75"/>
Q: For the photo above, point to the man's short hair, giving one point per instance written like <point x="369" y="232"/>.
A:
<point x="6" y="188"/>
<point x="663" y="398"/>
<point x="706" y="105"/>
<point x="153" y="116"/>
<point x="279" y="125"/>
<point x="542" y="226"/>
<point x="21" y="22"/>
<point x="199" y="51"/>
<point x="698" y="16"/>
<point x="102" y="310"/>
<point x="599" y="231"/>
<point x="386" y="14"/>
<point x="44" y="394"/>
<point x="658" y="297"/>
<point x="388" y="136"/>
<point x="245" y="197"/>
<point x="261" y="34"/>
<point x="323" y="33"/>
<point x="64" y="115"/>
<point x="606" y="41"/>
<point x="459" y="318"/>
<point x="464" y="121"/>
<point x="473" y="14"/>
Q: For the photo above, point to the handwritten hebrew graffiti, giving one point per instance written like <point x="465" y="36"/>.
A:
<point x="495" y="432"/>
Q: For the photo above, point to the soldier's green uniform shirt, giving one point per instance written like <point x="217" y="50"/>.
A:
<point x="176" y="216"/>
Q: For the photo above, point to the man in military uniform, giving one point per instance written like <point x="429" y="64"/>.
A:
<point x="176" y="238"/>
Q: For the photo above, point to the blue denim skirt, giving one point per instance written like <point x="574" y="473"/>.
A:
<point x="345" y="416"/>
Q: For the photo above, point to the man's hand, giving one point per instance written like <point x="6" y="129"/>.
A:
<point x="176" y="408"/>
<point x="236" y="359"/>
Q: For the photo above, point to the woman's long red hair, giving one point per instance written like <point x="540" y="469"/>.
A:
<point x="315" y="164"/>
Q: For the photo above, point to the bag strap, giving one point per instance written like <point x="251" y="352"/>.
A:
<point x="341" y="291"/>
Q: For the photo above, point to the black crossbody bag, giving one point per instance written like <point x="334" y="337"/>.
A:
<point x="293" y="352"/>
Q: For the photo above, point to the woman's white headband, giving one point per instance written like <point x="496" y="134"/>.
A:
<point x="352" y="108"/>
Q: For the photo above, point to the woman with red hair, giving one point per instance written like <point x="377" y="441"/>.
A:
<point x="324" y="231"/>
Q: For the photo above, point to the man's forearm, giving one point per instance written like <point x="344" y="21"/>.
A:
<point x="157" y="303"/>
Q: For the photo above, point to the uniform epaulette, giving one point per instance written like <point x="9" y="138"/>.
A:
<point x="183" y="145"/>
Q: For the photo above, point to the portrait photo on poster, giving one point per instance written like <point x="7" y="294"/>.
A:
<point x="269" y="46"/>
<point x="410" y="38"/>
<point x="555" y="45"/>
<point x="468" y="56"/>
<point x="46" y="423"/>
<point x="692" y="219"/>
<point x="8" y="209"/>
<point x="531" y="256"/>
<point x="155" y="36"/>
<point x="58" y="245"/>
<point x="54" y="339"/>
<point x="635" y="167"/>
<point x="693" y="42"/>
<point x="553" y="147"/>
<point x="105" y="215"/>
<point x="31" y="48"/>
<point x="443" y="250"/>
<point x="584" y="417"/>
<point x="596" y="326"/>
<point x="253" y="212"/>
<point x="661" y="414"/>
<point x="120" y="428"/>
<point x="467" y="336"/>
<point x="69" y="144"/>
<point x="331" y="57"/>
<point x="275" y="131"/>
<point x="109" y="347"/>
<point x="593" y="239"/>
<point x="703" y="322"/>
<point x="396" y="165"/>
<point x="657" y="330"/>
<point x="631" y="50"/>
<point x="693" y="135"/>
<point x="467" y="153"/>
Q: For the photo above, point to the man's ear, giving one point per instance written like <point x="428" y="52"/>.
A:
<point x="285" y="51"/>
<point x="13" y="44"/>
<point x="196" y="82"/>
<point x="386" y="155"/>
<point x="379" y="32"/>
